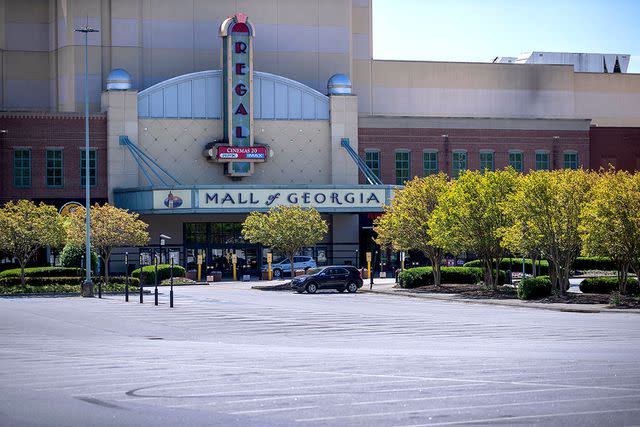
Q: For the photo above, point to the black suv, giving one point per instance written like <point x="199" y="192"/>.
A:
<point x="340" y="277"/>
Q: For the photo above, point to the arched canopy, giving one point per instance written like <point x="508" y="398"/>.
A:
<point x="199" y="96"/>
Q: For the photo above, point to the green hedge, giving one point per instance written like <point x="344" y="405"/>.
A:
<point x="46" y="281"/>
<point x="594" y="263"/>
<point x="43" y="272"/>
<point x="423" y="276"/>
<point x="606" y="285"/>
<point x="534" y="287"/>
<point x="164" y="272"/>
<point x="61" y="289"/>
<point x="515" y="265"/>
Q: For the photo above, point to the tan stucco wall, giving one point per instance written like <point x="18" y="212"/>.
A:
<point x="305" y="40"/>
<point x="301" y="151"/>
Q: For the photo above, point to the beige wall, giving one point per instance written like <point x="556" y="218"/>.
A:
<point x="42" y="63"/>
<point x="301" y="151"/>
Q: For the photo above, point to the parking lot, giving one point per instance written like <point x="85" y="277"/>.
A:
<point x="229" y="355"/>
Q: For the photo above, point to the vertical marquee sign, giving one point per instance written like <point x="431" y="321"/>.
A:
<point x="237" y="72"/>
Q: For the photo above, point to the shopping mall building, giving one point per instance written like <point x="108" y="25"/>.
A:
<point x="203" y="112"/>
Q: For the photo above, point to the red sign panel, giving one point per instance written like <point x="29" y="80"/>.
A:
<point x="226" y="152"/>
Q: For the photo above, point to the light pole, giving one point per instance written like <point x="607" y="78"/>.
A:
<point x="87" y="286"/>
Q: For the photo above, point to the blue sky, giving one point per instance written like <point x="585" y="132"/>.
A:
<point x="480" y="30"/>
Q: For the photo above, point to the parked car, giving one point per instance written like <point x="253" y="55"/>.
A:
<point x="284" y="266"/>
<point x="339" y="277"/>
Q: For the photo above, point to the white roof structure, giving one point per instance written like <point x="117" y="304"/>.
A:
<point x="582" y="62"/>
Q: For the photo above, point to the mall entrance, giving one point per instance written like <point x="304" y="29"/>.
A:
<point x="217" y="242"/>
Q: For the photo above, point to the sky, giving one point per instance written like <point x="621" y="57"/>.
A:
<point x="480" y="30"/>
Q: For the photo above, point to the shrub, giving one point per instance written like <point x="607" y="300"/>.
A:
<point x="606" y="285"/>
<point x="594" y="263"/>
<point x="43" y="272"/>
<point x="515" y="264"/>
<point x="534" y="287"/>
<point x="59" y="288"/>
<point x="423" y="276"/>
<point x="71" y="256"/>
<point x="164" y="272"/>
<point x="40" y="281"/>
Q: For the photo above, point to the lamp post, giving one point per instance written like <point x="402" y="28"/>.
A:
<point x="87" y="286"/>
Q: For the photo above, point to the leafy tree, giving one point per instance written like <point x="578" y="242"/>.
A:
<point x="611" y="222"/>
<point x="405" y="223"/>
<point x="26" y="227"/>
<point x="285" y="228"/>
<point x="546" y="212"/>
<point x="111" y="227"/>
<point x="469" y="217"/>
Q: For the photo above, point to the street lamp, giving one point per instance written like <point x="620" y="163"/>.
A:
<point x="87" y="286"/>
<point x="163" y="242"/>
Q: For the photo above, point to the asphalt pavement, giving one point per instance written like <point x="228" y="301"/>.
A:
<point x="233" y="356"/>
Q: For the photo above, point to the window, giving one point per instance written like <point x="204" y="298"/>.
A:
<point x="196" y="232"/>
<point x="372" y="160"/>
<point x="570" y="160"/>
<point x="22" y="168"/>
<point x="486" y="161"/>
<point x="54" y="168"/>
<point x="459" y="163"/>
<point x="429" y="163"/>
<point x="402" y="167"/>
<point x="542" y="161"/>
<point x="515" y="160"/>
<point x="93" y="168"/>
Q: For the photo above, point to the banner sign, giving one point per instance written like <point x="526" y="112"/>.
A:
<point x="268" y="198"/>
<point x="237" y="43"/>
<point x="225" y="152"/>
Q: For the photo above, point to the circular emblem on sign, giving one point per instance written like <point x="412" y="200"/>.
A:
<point x="172" y="201"/>
<point x="69" y="208"/>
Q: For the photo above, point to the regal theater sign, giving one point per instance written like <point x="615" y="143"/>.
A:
<point x="239" y="152"/>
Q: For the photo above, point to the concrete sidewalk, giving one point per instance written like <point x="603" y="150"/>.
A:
<point x="387" y="287"/>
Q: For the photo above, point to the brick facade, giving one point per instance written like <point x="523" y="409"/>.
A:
<point x="41" y="131"/>
<point x="473" y="141"/>
<point x="619" y="147"/>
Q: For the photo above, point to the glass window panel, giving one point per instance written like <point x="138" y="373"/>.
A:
<point x="196" y="232"/>
<point x="93" y="168"/>
<point x="54" y="172"/>
<point x="429" y="163"/>
<point x="372" y="159"/>
<point x="571" y="160"/>
<point x="515" y="161"/>
<point x="459" y="163"/>
<point x="486" y="161"/>
<point x="22" y="168"/>
<point x="542" y="161"/>
<point x="402" y="167"/>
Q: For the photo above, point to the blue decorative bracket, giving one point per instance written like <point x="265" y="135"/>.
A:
<point x="143" y="158"/>
<point x="366" y="170"/>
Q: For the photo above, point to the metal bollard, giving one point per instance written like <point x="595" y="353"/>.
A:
<point x="171" y="291"/>
<point x="140" y="276"/>
<point x="156" y="280"/>
<point x="126" y="277"/>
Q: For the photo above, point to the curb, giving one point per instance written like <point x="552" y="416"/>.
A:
<point x="599" y="309"/>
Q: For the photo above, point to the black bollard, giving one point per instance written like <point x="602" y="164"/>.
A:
<point x="126" y="277"/>
<point x="171" y="291"/>
<point x="140" y="277"/>
<point x="156" y="280"/>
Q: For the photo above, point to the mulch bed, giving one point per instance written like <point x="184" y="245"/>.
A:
<point x="478" y="292"/>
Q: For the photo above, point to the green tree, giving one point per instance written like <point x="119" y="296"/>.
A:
<point x="110" y="228"/>
<point x="546" y="213"/>
<point x="26" y="227"/>
<point x="285" y="228"/>
<point x="611" y="222"/>
<point x="469" y="218"/>
<point x="405" y="222"/>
